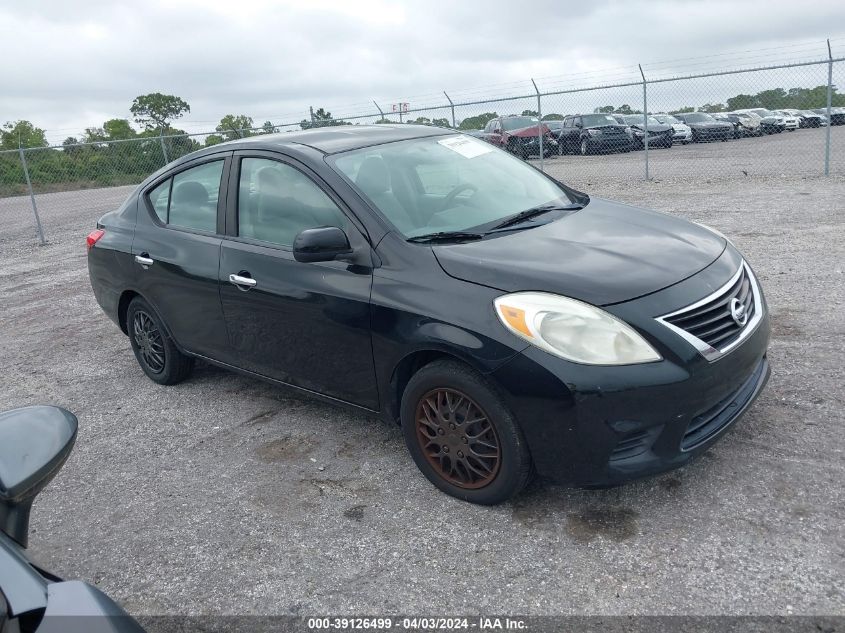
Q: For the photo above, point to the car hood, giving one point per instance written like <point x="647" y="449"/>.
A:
<point x="710" y="124"/>
<point x="603" y="254"/>
<point x="653" y="127"/>
<point x="533" y="130"/>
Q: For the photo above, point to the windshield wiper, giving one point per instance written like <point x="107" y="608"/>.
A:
<point x="533" y="212"/>
<point x="445" y="236"/>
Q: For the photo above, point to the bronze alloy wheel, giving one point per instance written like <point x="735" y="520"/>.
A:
<point x="457" y="438"/>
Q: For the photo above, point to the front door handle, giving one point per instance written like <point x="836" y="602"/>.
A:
<point x="144" y="259"/>
<point x="243" y="283"/>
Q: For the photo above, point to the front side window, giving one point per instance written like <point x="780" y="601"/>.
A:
<point x="445" y="183"/>
<point x="189" y="199"/>
<point x="276" y="202"/>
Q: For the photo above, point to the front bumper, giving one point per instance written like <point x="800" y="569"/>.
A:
<point x="614" y="143"/>
<point x="682" y="135"/>
<point x="599" y="426"/>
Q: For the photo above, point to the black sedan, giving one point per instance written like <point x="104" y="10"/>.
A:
<point x="509" y="323"/>
<point x="706" y="128"/>
<point x="659" y="134"/>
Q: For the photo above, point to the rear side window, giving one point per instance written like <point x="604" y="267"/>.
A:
<point x="160" y="199"/>
<point x="189" y="199"/>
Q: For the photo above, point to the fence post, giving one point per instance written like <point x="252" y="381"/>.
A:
<point x="379" y="109"/>
<point x="829" y="122"/>
<point x="645" y="120"/>
<point x="539" y="124"/>
<point x="39" y="230"/>
<point x="163" y="150"/>
<point x="451" y="105"/>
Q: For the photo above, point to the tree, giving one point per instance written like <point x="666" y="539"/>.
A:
<point x="421" y="120"/>
<point x="529" y="113"/>
<point x="232" y="126"/>
<point x="381" y="121"/>
<point x="441" y="122"/>
<point x="268" y="128"/>
<point x="321" y="118"/>
<point x="213" y="139"/>
<point x="94" y="135"/>
<point x="71" y="146"/>
<point x="554" y="116"/>
<point x="684" y="110"/>
<point x="21" y="133"/>
<point x="154" y="111"/>
<point x="604" y="109"/>
<point x="118" y="130"/>
<point x="477" y="122"/>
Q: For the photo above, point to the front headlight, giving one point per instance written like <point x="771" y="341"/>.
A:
<point x="572" y="329"/>
<point x="593" y="132"/>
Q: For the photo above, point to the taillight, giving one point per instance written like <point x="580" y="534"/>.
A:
<point x="94" y="237"/>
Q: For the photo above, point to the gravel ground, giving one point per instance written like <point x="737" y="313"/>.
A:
<point x="226" y="495"/>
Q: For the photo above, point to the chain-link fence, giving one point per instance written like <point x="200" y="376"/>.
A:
<point x="767" y="122"/>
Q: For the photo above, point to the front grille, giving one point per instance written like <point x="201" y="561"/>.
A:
<point x="704" y="426"/>
<point x="710" y="324"/>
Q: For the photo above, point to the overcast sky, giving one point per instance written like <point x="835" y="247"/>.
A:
<point x="68" y="65"/>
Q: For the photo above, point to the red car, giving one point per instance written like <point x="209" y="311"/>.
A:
<point x="519" y="135"/>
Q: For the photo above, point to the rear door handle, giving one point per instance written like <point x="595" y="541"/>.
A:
<point x="144" y="259"/>
<point x="243" y="283"/>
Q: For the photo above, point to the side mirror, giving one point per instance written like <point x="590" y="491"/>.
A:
<point x="322" y="244"/>
<point x="34" y="443"/>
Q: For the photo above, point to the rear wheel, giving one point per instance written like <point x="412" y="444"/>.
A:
<point x="154" y="350"/>
<point x="462" y="436"/>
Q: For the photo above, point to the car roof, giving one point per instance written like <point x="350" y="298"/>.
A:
<point x="340" y="138"/>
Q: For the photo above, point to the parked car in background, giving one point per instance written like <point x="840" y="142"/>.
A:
<point x="791" y="121"/>
<point x="837" y="115"/>
<point x="734" y="120"/>
<point x="751" y="123"/>
<point x="682" y="131"/>
<point x="770" y="123"/>
<point x="34" y="444"/>
<point x="589" y="133"/>
<point x="812" y="119"/>
<point x="705" y="128"/>
<point x="520" y="135"/>
<point x="659" y="134"/>
<point x="555" y="130"/>
<point x="508" y="323"/>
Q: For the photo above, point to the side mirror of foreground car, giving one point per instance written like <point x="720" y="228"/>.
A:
<point x="34" y="443"/>
<point x="322" y="244"/>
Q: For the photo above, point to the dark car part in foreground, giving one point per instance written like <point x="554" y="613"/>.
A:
<point x="705" y="128"/>
<point x="506" y="321"/>
<point x="34" y="443"/>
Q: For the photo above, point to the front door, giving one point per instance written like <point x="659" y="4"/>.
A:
<point x="306" y="324"/>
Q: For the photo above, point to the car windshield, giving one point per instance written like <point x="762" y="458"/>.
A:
<point x="666" y="119"/>
<point x="554" y="125"/>
<point x="517" y="122"/>
<point x="446" y="183"/>
<point x="595" y="120"/>
<point x="698" y="117"/>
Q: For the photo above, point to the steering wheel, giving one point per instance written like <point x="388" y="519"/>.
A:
<point x="450" y="197"/>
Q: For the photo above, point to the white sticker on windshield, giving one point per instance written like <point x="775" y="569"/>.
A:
<point x="466" y="146"/>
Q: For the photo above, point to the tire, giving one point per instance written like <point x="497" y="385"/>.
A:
<point x="584" y="147"/>
<point x="154" y="350"/>
<point x="446" y="392"/>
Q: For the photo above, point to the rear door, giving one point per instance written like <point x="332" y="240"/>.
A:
<point x="305" y="324"/>
<point x="176" y="251"/>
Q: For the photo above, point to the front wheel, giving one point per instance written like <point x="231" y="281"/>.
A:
<point x="154" y="350"/>
<point x="585" y="147"/>
<point x="462" y="436"/>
